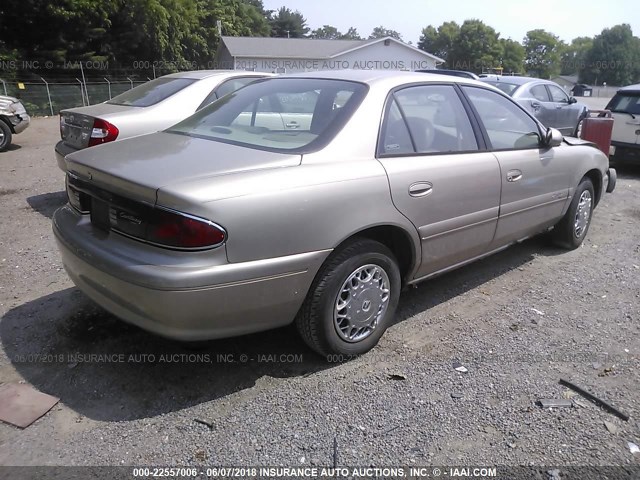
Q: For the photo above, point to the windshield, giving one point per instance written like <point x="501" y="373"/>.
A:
<point x="279" y="114"/>
<point x="151" y="92"/>
<point x="508" y="88"/>
<point x="627" y="102"/>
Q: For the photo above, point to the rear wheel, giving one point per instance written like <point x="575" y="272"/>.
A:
<point x="572" y="229"/>
<point x="352" y="300"/>
<point x="5" y="136"/>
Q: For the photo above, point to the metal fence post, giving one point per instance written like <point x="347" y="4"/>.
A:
<point x="48" y="96"/>
<point x="4" y="86"/>
<point x="86" y="90"/>
<point x="108" y="86"/>
<point x="130" y="81"/>
<point x="82" y="93"/>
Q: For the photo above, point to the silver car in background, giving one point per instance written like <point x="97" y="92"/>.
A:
<point x="147" y="108"/>
<point x="13" y="120"/>
<point x="230" y="222"/>
<point x="545" y="99"/>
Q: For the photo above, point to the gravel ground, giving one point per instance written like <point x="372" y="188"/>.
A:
<point x="519" y="321"/>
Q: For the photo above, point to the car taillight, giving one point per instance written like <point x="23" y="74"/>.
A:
<point x="178" y="230"/>
<point x="102" y="132"/>
<point x="63" y="125"/>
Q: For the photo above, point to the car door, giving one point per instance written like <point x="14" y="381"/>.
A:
<point x="567" y="113"/>
<point x="441" y="179"/>
<point x="535" y="179"/>
<point x="541" y="105"/>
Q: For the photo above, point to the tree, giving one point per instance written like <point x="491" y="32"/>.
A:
<point x="542" y="53"/>
<point x="381" y="32"/>
<point x="289" y="24"/>
<point x="352" y="34"/>
<point x="574" y="56"/>
<point x="614" y="57"/>
<point x="440" y="42"/>
<point x="326" y="32"/>
<point x="476" y="47"/>
<point x="512" y="60"/>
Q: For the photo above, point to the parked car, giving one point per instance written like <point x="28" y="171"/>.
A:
<point x="544" y="99"/>
<point x="147" y="108"/>
<point x="222" y="225"/>
<point x="625" y="109"/>
<point x="453" y="73"/>
<point x="13" y="120"/>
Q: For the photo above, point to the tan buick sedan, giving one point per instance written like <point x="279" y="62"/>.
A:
<point x="314" y="199"/>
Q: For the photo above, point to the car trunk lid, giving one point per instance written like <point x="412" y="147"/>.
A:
<point x="138" y="167"/>
<point x="77" y="123"/>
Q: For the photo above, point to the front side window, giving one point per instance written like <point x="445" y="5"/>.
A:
<point x="507" y="126"/>
<point x="558" y="95"/>
<point x="151" y="92"/>
<point x="435" y="119"/>
<point x="279" y="114"/>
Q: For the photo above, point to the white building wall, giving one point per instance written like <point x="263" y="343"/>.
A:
<point x="372" y="57"/>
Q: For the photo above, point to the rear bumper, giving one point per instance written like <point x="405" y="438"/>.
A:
<point x="202" y="297"/>
<point x="61" y="151"/>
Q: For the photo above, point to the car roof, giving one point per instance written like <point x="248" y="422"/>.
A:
<point x="371" y="77"/>
<point x="628" y="88"/>
<point x="514" y="79"/>
<point x="201" y="74"/>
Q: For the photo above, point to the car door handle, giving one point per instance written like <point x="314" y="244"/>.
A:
<point x="292" y="124"/>
<point x="535" y="105"/>
<point x="514" y="175"/>
<point x="420" y="189"/>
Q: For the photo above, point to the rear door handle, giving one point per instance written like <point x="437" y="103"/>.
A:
<point x="420" y="189"/>
<point x="292" y="124"/>
<point x="535" y="105"/>
<point x="514" y="175"/>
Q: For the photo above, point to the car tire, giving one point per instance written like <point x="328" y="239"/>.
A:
<point x="5" y="136"/>
<point x="332" y="320"/>
<point x="570" y="232"/>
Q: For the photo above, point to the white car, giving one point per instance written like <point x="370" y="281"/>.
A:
<point x="147" y="108"/>
<point x="13" y="120"/>
<point x="625" y="109"/>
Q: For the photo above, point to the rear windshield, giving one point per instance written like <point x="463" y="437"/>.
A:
<point x="279" y="114"/>
<point x="151" y="92"/>
<point x="508" y="88"/>
<point x="627" y="102"/>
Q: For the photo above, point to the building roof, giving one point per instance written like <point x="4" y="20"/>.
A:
<point x="567" y="78"/>
<point x="273" y="47"/>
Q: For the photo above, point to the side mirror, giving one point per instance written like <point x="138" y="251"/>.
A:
<point x="572" y="101"/>
<point x="552" y="138"/>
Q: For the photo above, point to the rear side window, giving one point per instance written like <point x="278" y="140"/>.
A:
<point x="539" y="92"/>
<point x="151" y="92"/>
<point x="434" y="118"/>
<point x="508" y="127"/>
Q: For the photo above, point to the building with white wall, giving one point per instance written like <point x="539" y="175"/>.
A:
<point x="290" y="55"/>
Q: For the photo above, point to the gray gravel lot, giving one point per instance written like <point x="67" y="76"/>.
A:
<point x="403" y="403"/>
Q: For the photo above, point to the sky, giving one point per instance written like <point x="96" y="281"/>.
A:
<point x="511" y="18"/>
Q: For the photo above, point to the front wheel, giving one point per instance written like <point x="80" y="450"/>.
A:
<point x="5" y="136"/>
<point x="352" y="300"/>
<point x="572" y="229"/>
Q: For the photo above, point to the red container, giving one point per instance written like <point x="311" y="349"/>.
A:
<point x="598" y="130"/>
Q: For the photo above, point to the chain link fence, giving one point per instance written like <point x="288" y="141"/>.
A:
<point x="48" y="98"/>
